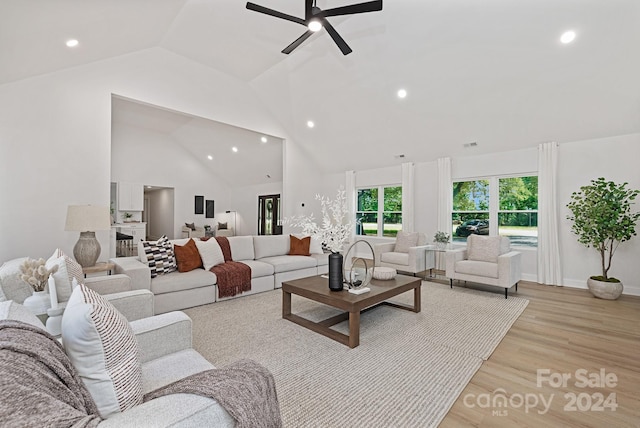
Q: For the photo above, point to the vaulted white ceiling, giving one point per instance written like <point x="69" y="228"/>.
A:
<point x="490" y="71"/>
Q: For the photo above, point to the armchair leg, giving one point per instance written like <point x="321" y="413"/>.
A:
<point x="505" y="292"/>
<point x="516" y="287"/>
<point x="451" y="282"/>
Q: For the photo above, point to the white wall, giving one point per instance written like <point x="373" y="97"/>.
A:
<point x="153" y="158"/>
<point x="55" y="134"/>
<point x="616" y="159"/>
<point x="245" y="201"/>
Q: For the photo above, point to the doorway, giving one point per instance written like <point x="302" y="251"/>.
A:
<point x="269" y="221"/>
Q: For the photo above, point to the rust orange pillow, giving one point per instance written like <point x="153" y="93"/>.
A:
<point x="299" y="247"/>
<point x="187" y="256"/>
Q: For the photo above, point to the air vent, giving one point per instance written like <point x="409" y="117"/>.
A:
<point x="401" y="156"/>
<point x="472" y="144"/>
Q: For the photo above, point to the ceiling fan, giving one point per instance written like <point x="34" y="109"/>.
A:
<point x="315" y="19"/>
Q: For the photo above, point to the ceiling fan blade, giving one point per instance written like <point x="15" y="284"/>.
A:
<point x="297" y="42"/>
<point x="308" y="6"/>
<point x="344" y="47"/>
<point x="267" y="11"/>
<point x="371" y="6"/>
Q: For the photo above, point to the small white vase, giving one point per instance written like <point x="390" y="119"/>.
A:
<point x="38" y="302"/>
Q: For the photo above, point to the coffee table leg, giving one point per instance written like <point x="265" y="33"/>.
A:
<point x="286" y="304"/>
<point x="354" y="329"/>
<point x="416" y="299"/>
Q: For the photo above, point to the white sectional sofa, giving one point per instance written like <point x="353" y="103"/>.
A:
<point x="267" y="256"/>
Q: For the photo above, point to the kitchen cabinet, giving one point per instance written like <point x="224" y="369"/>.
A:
<point x="130" y="197"/>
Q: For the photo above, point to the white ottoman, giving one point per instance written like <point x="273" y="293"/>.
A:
<point x="384" y="273"/>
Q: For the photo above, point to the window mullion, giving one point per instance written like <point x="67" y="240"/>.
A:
<point x="494" y="205"/>
<point x="380" y="211"/>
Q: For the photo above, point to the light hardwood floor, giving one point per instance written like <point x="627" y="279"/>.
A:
<point x="564" y="330"/>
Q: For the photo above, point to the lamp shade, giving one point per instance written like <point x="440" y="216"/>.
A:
<point x="85" y="218"/>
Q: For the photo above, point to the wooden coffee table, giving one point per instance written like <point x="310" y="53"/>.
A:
<point x="316" y="288"/>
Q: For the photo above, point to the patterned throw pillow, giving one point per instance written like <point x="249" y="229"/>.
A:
<point x="68" y="269"/>
<point x="103" y="348"/>
<point x="160" y="256"/>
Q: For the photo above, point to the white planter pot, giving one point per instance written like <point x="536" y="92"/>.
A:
<point x="605" y="290"/>
<point x="38" y="302"/>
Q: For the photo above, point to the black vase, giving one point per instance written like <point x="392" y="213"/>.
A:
<point x="335" y="272"/>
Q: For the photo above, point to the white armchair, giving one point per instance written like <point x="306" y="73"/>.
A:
<point x="187" y="232"/>
<point x="486" y="260"/>
<point x="408" y="254"/>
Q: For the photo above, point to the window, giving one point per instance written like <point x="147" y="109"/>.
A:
<point x="507" y="206"/>
<point x="379" y="211"/>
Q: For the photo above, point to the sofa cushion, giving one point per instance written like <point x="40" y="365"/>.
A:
<point x="12" y="287"/>
<point x="259" y="268"/>
<point x="299" y="246"/>
<point x="171" y="368"/>
<point x="187" y="256"/>
<point x="10" y="310"/>
<point x="159" y="256"/>
<point x="191" y="226"/>
<point x="395" y="258"/>
<point x="473" y="267"/>
<point x="68" y="269"/>
<point x="178" y="281"/>
<point x="241" y="248"/>
<point x="210" y="253"/>
<point x="269" y="246"/>
<point x="289" y="263"/>
<point x="222" y="226"/>
<point x="483" y="248"/>
<point x="405" y="240"/>
<point x="321" y="259"/>
<point x="102" y="347"/>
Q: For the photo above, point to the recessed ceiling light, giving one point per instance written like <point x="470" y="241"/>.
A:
<point x="72" y="43"/>
<point x="568" y="37"/>
<point x="310" y="124"/>
<point x="402" y="93"/>
<point x="210" y="157"/>
<point x="264" y="139"/>
<point x="234" y="149"/>
<point x="149" y="187"/>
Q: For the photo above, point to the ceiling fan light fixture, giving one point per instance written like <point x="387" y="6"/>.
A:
<point x="314" y="25"/>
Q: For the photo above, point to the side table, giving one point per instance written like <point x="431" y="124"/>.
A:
<point x="435" y="250"/>
<point x="99" y="267"/>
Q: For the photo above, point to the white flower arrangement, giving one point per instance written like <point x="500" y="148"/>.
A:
<point x="336" y="226"/>
<point x="35" y="273"/>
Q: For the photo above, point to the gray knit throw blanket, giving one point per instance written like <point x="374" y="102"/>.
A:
<point x="244" y="388"/>
<point x="39" y="387"/>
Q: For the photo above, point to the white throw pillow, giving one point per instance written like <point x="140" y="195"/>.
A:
<point x="483" y="248"/>
<point x="68" y="269"/>
<point x="210" y="253"/>
<point x="405" y="240"/>
<point x="102" y="347"/>
<point x="315" y="247"/>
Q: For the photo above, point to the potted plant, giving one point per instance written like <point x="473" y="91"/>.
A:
<point x="36" y="274"/>
<point x="127" y="216"/>
<point x="441" y="239"/>
<point x="602" y="219"/>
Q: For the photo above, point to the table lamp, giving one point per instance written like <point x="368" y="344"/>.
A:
<point x="86" y="219"/>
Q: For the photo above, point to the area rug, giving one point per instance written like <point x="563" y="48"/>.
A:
<point x="408" y="370"/>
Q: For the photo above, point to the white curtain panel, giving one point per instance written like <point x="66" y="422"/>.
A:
<point x="445" y="201"/>
<point x="350" y="193"/>
<point x="445" y="195"/>
<point x="549" y="267"/>
<point x="408" y="197"/>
